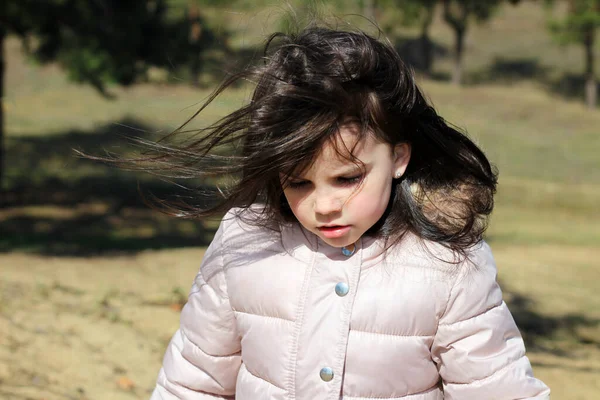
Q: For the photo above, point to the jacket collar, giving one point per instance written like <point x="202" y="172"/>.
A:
<point x="305" y="246"/>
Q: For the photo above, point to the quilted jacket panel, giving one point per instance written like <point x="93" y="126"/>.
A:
<point x="263" y="319"/>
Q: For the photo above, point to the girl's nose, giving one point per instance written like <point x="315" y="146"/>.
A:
<point x="327" y="204"/>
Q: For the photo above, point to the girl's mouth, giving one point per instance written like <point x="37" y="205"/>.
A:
<point x="334" y="231"/>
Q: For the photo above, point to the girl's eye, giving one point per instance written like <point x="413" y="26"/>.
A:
<point x="351" y="180"/>
<point x="297" y="184"/>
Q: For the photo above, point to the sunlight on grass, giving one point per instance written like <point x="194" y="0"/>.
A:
<point x="534" y="212"/>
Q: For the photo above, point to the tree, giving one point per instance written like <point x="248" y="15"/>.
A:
<point x="457" y="14"/>
<point x="198" y="38"/>
<point x="96" y="42"/>
<point x="196" y="34"/>
<point x="2" y="67"/>
<point x="420" y="12"/>
<point x="579" y="26"/>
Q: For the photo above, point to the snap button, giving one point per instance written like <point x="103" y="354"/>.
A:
<point x="326" y="374"/>
<point x="349" y="250"/>
<point x="342" y="289"/>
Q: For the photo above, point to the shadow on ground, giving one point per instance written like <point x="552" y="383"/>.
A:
<point x="420" y="53"/>
<point x="541" y="332"/>
<point x="59" y="204"/>
<point x="508" y="71"/>
<point x="570" y="86"/>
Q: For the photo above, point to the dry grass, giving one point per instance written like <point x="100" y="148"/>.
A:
<point x="88" y="328"/>
<point x="561" y="282"/>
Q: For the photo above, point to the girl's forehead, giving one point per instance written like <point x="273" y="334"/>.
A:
<point x="349" y="144"/>
<point x="348" y="148"/>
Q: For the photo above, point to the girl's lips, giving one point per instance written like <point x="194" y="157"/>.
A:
<point x="332" y="232"/>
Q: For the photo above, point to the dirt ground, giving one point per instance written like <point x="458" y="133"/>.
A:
<point x="96" y="328"/>
<point x="88" y="328"/>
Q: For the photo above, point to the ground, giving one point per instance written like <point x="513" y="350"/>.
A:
<point x="97" y="327"/>
<point x="89" y="328"/>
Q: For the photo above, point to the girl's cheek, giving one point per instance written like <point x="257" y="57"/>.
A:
<point x="292" y="201"/>
<point x="298" y="206"/>
<point x="371" y="204"/>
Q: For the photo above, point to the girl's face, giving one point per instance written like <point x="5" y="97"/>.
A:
<point x="337" y="201"/>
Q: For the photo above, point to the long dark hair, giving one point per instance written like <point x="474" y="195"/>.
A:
<point x="309" y="83"/>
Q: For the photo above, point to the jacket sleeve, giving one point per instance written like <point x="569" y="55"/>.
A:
<point x="203" y="358"/>
<point x="478" y="348"/>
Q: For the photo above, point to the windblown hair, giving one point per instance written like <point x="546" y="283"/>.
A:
<point x="309" y="84"/>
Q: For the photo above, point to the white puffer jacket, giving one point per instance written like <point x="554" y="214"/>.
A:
<point x="288" y="317"/>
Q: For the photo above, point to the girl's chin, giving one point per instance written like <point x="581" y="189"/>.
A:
<point x="341" y="241"/>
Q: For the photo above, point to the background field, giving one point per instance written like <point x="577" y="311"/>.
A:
<point x="92" y="280"/>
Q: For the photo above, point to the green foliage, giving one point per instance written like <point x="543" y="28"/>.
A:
<point x="482" y="10"/>
<point x="457" y="12"/>
<point x="95" y="42"/>
<point x="413" y="11"/>
<point x="106" y="41"/>
<point x="582" y="17"/>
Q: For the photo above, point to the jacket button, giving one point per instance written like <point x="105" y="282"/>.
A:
<point x="342" y="289"/>
<point x="349" y="250"/>
<point x="326" y="374"/>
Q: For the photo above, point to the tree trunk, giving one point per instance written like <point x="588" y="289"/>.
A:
<point x="194" y="38"/>
<point x="458" y="56"/>
<point x="591" y="90"/>
<point x="456" y="15"/>
<point x="426" y="43"/>
<point x="2" y="64"/>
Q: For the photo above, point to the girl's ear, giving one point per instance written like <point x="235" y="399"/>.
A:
<point x="401" y="159"/>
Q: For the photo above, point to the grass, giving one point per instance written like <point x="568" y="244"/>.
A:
<point x="100" y="265"/>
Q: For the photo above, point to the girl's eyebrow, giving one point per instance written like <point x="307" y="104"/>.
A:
<point x="295" y="177"/>
<point x="344" y="169"/>
<point x="349" y="169"/>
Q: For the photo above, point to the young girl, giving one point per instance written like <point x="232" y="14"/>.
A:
<point x="351" y="263"/>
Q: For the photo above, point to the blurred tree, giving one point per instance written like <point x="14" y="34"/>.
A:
<point x="420" y="12"/>
<point x="3" y="33"/>
<point x="188" y="36"/>
<point x="94" y="41"/>
<point x="198" y="37"/>
<point x="457" y="14"/>
<point x="579" y="26"/>
<point x="195" y="33"/>
<point x="103" y="41"/>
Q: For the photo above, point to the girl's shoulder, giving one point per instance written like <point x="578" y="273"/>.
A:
<point x="422" y="253"/>
<point x="247" y="225"/>
<point x="243" y="232"/>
